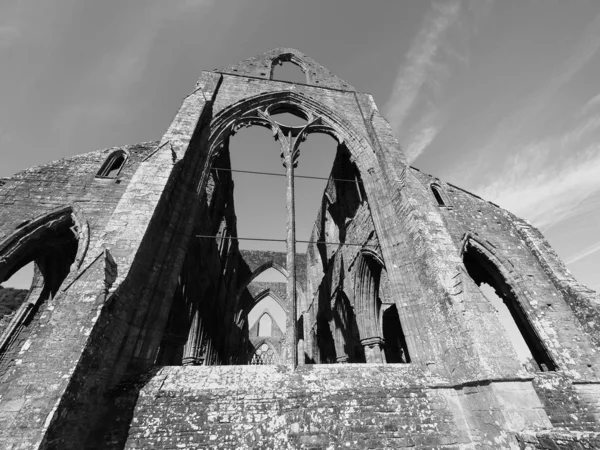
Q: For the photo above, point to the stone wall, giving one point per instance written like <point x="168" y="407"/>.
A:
<point x="255" y="407"/>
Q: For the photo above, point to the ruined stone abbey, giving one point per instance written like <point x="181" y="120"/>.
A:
<point x="146" y="325"/>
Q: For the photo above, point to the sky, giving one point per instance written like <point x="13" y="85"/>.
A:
<point x="499" y="97"/>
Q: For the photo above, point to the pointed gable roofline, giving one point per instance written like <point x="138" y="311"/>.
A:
<point x="261" y="66"/>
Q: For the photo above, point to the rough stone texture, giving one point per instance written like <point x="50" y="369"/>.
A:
<point x="135" y="332"/>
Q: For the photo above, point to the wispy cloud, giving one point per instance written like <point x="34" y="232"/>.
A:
<point x="413" y="108"/>
<point x="549" y="178"/>
<point x="536" y="185"/>
<point x="420" y="63"/>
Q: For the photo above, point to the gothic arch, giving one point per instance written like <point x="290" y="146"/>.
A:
<point x="22" y="242"/>
<point x="260" y="269"/>
<point x="245" y="113"/>
<point x="57" y="243"/>
<point x="509" y="286"/>
<point x="440" y="194"/>
<point x="243" y="313"/>
<point x="114" y="163"/>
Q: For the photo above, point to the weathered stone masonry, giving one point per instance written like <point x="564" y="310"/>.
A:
<point x="135" y="332"/>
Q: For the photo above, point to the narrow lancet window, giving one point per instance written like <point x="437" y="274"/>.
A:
<point x="437" y="193"/>
<point x="113" y="165"/>
<point x="264" y="325"/>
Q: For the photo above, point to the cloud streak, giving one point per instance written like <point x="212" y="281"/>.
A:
<point x="434" y="59"/>
<point x="588" y="251"/>
<point x="420" y="63"/>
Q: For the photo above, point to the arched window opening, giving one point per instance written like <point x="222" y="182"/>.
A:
<point x="264" y="326"/>
<point x="50" y="253"/>
<point x="484" y="272"/>
<point x="271" y="275"/>
<point x="275" y="311"/>
<point x="437" y="193"/>
<point x="395" y="348"/>
<point x="288" y="71"/>
<point x="112" y="166"/>
<point x="512" y="330"/>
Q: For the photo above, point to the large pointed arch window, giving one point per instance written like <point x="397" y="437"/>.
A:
<point x="488" y="276"/>
<point x="50" y="245"/>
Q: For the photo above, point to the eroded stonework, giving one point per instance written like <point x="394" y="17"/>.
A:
<point x="136" y="332"/>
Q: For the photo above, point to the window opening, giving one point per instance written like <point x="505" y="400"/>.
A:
<point x="483" y="271"/>
<point x="260" y="201"/>
<point x="288" y="71"/>
<point x="509" y="325"/>
<point x="395" y="348"/>
<point x="21" y="279"/>
<point x="317" y="156"/>
<point x="50" y="255"/>
<point x="13" y="293"/>
<point x="438" y="195"/>
<point x="264" y="325"/>
<point x="112" y="166"/>
<point x="274" y="309"/>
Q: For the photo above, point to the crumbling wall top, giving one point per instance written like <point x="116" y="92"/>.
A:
<point x="261" y="66"/>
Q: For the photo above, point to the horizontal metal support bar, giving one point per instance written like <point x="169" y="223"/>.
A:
<point x="272" y="174"/>
<point x="282" y="240"/>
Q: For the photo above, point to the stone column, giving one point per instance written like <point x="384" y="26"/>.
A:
<point x="373" y="348"/>
<point x="291" y="335"/>
<point x="193" y="347"/>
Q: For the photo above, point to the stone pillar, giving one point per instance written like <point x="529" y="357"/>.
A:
<point x="193" y="347"/>
<point x="373" y="348"/>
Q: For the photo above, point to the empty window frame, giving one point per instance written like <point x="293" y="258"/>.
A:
<point x="483" y="271"/>
<point x="440" y="195"/>
<point x="112" y="166"/>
